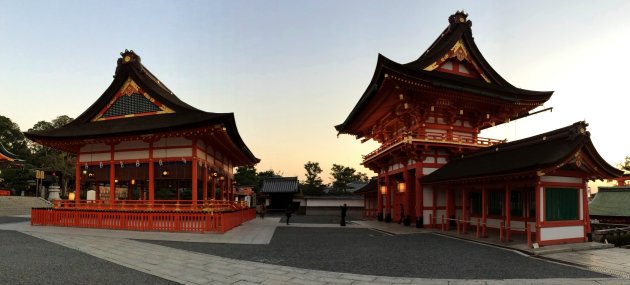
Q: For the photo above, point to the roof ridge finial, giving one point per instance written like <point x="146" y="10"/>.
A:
<point x="460" y="17"/>
<point x="129" y="56"/>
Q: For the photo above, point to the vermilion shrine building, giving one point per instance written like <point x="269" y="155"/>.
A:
<point x="152" y="161"/>
<point x="434" y="169"/>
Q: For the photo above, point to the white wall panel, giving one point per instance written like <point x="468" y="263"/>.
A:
<point x="172" y="142"/>
<point x="136" y="154"/>
<point x="428" y="170"/>
<point x="561" y="179"/>
<point x="95" y="147"/>
<point x="561" y="233"/>
<point x="131" y="145"/>
<point x="427" y="196"/>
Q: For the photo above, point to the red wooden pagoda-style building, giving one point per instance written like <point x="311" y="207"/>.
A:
<point x="148" y="161"/>
<point x="434" y="168"/>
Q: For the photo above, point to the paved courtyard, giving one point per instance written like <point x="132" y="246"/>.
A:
<point x="303" y="253"/>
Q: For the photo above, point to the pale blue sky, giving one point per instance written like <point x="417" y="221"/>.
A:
<point x="291" y="70"/>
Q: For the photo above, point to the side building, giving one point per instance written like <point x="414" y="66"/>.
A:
<point x="433" y="168"/>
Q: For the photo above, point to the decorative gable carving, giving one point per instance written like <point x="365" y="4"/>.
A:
<point x="131" y="101"/>
<point x="458" y="60"/>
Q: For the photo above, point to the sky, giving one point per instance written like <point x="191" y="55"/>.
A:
<point x="292" y="70"/>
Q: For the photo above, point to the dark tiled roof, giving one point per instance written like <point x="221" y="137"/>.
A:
<point x="184" y="116"/>
<point x="370" y="187"/>
<point x="526" y="156"/>
<point x="280" y="185"/>
<point x="498" y="87"/>
<point x="611" y="201"/>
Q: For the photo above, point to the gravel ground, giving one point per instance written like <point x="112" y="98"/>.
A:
<point x="364" y="251"/>
<point x="28" y="260"/>
<point x="9" y="219"/>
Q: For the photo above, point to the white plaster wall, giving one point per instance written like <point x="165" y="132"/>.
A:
<point x="436" y="131"/>
<point x="172" y="142"/>
<point x="561" y="179"/>
<point x="201" y="154"/>
<point x="429" y="159"/>
<point x="131" y="145"/>
<point x="467" y="124"/>
<point x="426" y="217"/>
<point x="173" y="152"/>
<point x="440" y="199"/>
<point x="427" y="196"/>
<point x="94" y="157"/>
<point x="561" y="233"/>
<point x="458" y="214"/>
<point x="95" y="147"/>
<point x="136" y="154"/>
<point x="428" y="170"/>
<point x="441" y="160"/>
<point x="520" y="226"/>
<point x="334" y="202"/>
<point x="494" y="223"/>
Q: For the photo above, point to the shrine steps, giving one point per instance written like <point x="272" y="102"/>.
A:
<point x="18" y="205"/>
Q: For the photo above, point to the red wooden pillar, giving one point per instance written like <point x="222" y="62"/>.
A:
<point x="508" y="213"/>
<point x="387" y="199"/>
<point x="406" y="203"/>
<point x="484" y="209"/>
<point x="151" y="175"/>
<point x="195" y="169"/>
<point x="419" y="197"/>
<point x="379" y="198"/>
<point x="539" y="214"/>
<point x="585" y="212"/>
<point x="112" y="176"/>
<point x="205" y="183"/>
<point x="77" y="182"/>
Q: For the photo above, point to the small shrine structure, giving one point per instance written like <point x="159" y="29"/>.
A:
<point x="434" y="169"/>
<point x="146" y="160"/>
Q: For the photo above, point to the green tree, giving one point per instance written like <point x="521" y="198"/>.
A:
<point x="12" y="138"/>
<point x="60" y="162"/>
<point x="341" y="175"/>
<point x="625" y="166"/>
<point x="246" y="176"/>
<point x="313" y="184"/>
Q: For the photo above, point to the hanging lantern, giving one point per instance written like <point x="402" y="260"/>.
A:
<point x="383" y="189"/>
<point x="133" y="181"/>
<point x="401" y="187"/>
<point x="71" y="196"/>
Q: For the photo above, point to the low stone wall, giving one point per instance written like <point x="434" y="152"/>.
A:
<point x="619" y="235"/>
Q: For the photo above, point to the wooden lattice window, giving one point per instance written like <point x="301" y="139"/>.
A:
<point x="561" y="204"/>
<point x="131" y="105"/>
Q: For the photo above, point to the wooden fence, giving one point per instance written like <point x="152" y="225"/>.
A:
<point x="171" y="221"/>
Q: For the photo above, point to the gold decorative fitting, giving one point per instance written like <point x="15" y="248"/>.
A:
<point x="401" y="97"/>
<point x="461" y="111"/>
<point x="127" y="58"/>
<point x="545" y="138"/>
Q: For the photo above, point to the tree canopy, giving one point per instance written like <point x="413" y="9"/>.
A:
<point x="342" y="175"/>
<point x="313" y="185"/>
<point x="625" y="166"/>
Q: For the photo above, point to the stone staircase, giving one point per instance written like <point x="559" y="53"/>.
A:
<point x="18" y="205"/>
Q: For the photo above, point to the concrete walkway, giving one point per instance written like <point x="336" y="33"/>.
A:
<point x="187" y="267"/>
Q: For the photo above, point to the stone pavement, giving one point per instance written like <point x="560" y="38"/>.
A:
<point x="187" y="267"/>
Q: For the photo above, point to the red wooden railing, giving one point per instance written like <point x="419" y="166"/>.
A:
<point x="142" y="220"/>
<point x="5" y="192"/>
<point x="169" y="205"/>
<point x="436" y="137"/>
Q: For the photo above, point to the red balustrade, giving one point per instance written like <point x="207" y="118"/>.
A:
<point x="143" y="220"/>
<point x="435" y="137"/>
